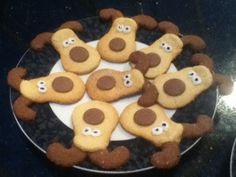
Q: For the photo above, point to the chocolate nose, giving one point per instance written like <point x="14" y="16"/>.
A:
<point x="154" y="59"/>
<point x="174" y="87"/>
<point x="106" y="83"/>
<point x="79" y="54"/>
<point x="117" y="44"/>
<point x="62" y="84"/>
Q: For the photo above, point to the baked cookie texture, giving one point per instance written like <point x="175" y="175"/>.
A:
<point x="110" y="85"/>
<point x="165" y="49"/>
<point x="76" y="56"/>
<point x="153" y="125"/>
<point x="119" y="42"/>
<point x="63" y="87"/>
<point x="180" y="88"/>
<point x="93" y="124"/>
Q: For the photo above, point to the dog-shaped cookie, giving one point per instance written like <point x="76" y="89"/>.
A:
<point x="76" y="56"/>
<point x="62" y="87"/>
<point x="119" y="42"/>
<point x="165" y="49"/>
<point x="110" y="85"/>
<point x="152" y="124"/>
<point x="177" y="89"/>
<point x="93" y="124"/>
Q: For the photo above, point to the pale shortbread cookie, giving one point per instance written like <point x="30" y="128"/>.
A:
<point x="168" y="47"/>
<point x="110" y="85"/>
<point x="183" y="86"/>
<point x="151" y="124"/>
<point x="76" y="56"/>
<point x="119" y="42"/>
<point x="62" y="87"/>
<point x="93" y="124"/>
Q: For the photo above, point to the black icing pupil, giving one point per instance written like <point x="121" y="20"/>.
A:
<point x="191" y="74"/>
<point x="164" y="124"/>
<point x="168" y="48"/>
<point x="196" y="79"/>
<point x="126" y="76"/>
<point x="95" y="132"/>
<point x="157" y="129"/>
<point x="127" y="82"/>
<point x="86" y="130"/>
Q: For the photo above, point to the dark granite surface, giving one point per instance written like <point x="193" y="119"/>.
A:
<point x="215" y="21"/>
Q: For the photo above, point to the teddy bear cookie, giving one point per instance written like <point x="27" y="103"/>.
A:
<point x="165" y="49"/>
<point x="152" y="124"/>
<point x="93" y="124"/>
<point x="119" y="42"/>
<point x="76" y="56"/>
<point x="62" y="87"/>
<point x="177" y="89"/>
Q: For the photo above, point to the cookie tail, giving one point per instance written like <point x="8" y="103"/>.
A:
<point x="168" y="27"/>
<point x="203" y="126"/>
<point x="39" y="42"/>
<point x="145" y="21"/>
<point x="110" y="160"/>
<point x="62" y="156"/>
<point x="22" y="109"/>
<point x="168" y="157"/>
<point x="195" y="43"/>
<point x="15" y="76"/>
<point x="149" y="95"/>
<point x="224" y="83"/>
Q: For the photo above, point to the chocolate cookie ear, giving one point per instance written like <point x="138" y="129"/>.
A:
<point x="149" y="95"/>
<point x="73" y="25"/>
<point x="22" y="110"/>
<point x="110" y="160"/>
<point x="202" y="59"/>
<point x="168" y="27"/>
<point x="58" y="154"/>
<point x="225" y="83"/>
<point x="15" y="76"/>
<point x="42" y="39"/>
<point x="110" y="13"/>
<point x="195" y="43"/>
<point x="145" y="21"/>
<point x="168" y="157"/>
<point x="203" y="126"/>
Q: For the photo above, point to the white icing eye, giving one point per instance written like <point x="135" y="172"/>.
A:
<point x="71" y="40"/>
<point x="191" y="74"/>
<point x="196" y="80"/>
<point x="168" y="48"/>
<point x="128" y="82"/>
<point x="164" y="126"/>
<point x="157" y="131"/>
<point x="87" y="131"/>
<point x="41" y="83"/>
<point x="66" y="43"/>
<point x="127" y="29"/>
<point x="127" y="76"/>
<point x="163" y="45"/>
<point x="96" y="132"/>
<point x="120" y="28"/>
<point x="42" y="89"/>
